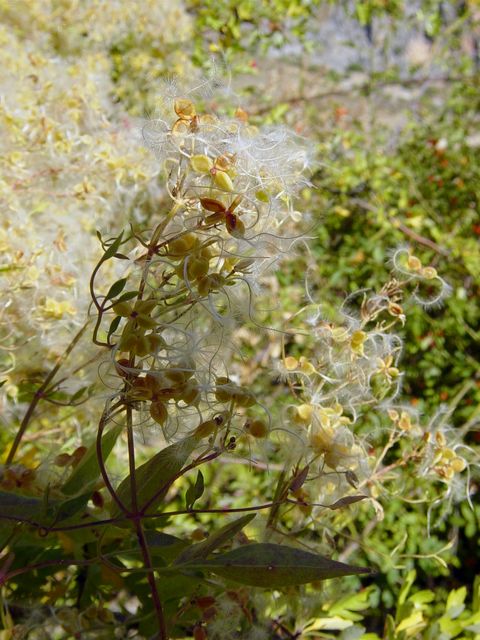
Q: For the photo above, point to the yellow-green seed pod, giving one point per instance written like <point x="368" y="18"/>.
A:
<point x="201" y="163"/>
<point x="182" y="245"/>
<point x="179" y="270"/>
<point x="244" y="398"/>
<point x="223" y="181"/>
<point x="207" y="252"/>
<point x="224" y="392"/>
<point x="205" y="429"/>
<point x="197" y="268"/>
<point x="262" y="196"/>
<point x="458" y="464"/>
<point x="159" y="412"/>
<point x="203" y="286"/>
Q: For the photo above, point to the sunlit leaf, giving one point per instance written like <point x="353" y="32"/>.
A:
<point x="155" y="476"/>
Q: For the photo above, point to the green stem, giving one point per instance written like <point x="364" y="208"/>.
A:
<point x="101" y="463"/>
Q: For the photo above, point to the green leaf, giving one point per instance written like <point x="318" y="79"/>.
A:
<point x="112" y="249"/>
<point x="71" y="506"/>
<point x="113" y="326"/>
<point x="78" y="394"/>
<point x="414" y="621"/>
<point x="275" y="566"/>
<point x="215" y="540"/>
<point x="87" y="472"/>
<point x="195" y="491"/>
<point x="128" y="295"/>
<point x="422" y="597"/>
<point x="155" y="474"/>
<point x="13" y="505"/>
<point x="164" y="545"/>
<point x="357" y="602"/>
<point x="456" y="602"/>
<point x="116" y="288"/>
<point x="409" y="580"/>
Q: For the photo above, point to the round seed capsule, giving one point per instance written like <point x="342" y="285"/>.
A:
<point x="257" y="428"/>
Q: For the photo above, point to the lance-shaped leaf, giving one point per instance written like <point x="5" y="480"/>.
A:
<point x="87" y="472"/>
<point x="154" y="476"/>
<point x="344" y="502"/>
<point x="299" y="479"/>
<point x="116" y="289"/>
<point x="275" y="566"/>
<point x="214" y="540"/>
<point x="112" y="249"/>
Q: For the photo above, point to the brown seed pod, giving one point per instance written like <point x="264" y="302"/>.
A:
<point x="159" y="412"/>
<point x="213" y="205"/>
